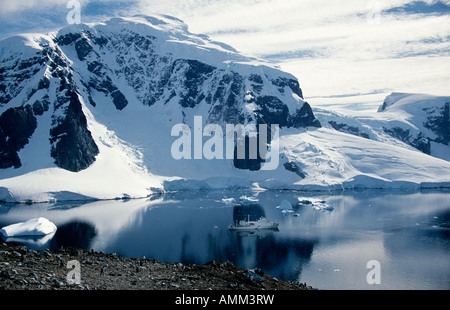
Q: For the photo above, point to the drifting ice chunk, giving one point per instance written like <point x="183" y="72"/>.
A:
<point x="285" y="205"/>
<point x="248" y="199"/>
<point x="317" y="204"/>
<point x="323" y="207"/>
<point x="229" y="201"/>
<point x="305" y="201"/>
<point x="34" y="227"/>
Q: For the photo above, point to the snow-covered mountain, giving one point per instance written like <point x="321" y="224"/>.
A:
<point x="418" y="120"/>
<point x="89" y="112"/>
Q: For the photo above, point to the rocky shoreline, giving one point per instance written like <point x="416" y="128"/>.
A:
<point x="22" y="268"/>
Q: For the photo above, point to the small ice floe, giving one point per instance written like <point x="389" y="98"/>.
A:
<point x="34" y="227"/>
<point x="285" y="207"/>
<point x="323" y="207"/>
<point x="316" y="204"/>
<point x="229" y="201"/>
<point x="304" y="201"/>
<point x="248" y="199"/>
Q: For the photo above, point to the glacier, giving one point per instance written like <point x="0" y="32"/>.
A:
<point x="86" y="113"/>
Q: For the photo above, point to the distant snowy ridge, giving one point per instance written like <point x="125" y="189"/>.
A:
<point x="420" y="121"/>
<point x="87" y="113"/>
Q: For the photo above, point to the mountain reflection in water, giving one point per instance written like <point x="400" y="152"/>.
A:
<point x="325" y="249"/>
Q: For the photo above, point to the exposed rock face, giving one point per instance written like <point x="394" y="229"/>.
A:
<point x="73" y="147"/>
<point x="429" y="116"/>
<point x="419" y="141"/>
<point x="16" y="127"/>
<point x="438" y="121"/>
<point x="293" y="167"/>
<point x="121" y="63"/>
<point x="353" y="130"/>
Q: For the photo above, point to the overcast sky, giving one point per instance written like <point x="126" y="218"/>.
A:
<point x="347" y="54"/>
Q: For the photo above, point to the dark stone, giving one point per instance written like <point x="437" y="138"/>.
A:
<point x="348" y="129"/>
<point x="73" y="147"/>
<point x="100" y="41"/>
<point x="272" y="111"/>
<point x="91" y="101"/>
<point x="16" y="127"/>
<point x="25" y="64"/>
<point x="438" y="121"/>
<point x="40" y="107"/>
<point x="293" y="167"/>
<point x="83" y="48"/>
<point x="57" y="283"/>
<point x="281" y="83"/>
<point x="254" y="276"/>
<point x="106" y="86"/>
<point x="119" y="100"/>
<point x="44" y="83"/>
<point x="195" y="75"/>
<point x="95" y="67"/>
<point x="304" y="118"/>
<point x="255" y="78"/>
<point x="68" y="38"/>
<point x="5" y="274"/>
<point x="420" y="142"/>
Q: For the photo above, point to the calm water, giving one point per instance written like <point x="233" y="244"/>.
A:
<point x="407" y="233"/>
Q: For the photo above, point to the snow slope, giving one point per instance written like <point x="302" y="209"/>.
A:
<point x="415" y="121"/>
<point x="331" y="160"/>
<point x="97" y="104"/>
<point x="340" y="160"/>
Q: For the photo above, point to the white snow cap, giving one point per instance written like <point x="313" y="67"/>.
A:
<point x="34" y="227"/>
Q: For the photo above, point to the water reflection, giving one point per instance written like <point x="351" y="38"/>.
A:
<point x="76" y="234"/>
<point x="408" y="233"/>
<point x="33" y="242"/>
<point x="251" y="212"/>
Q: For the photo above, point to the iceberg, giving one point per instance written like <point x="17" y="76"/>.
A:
<point x="285" y="207"/>
<point x="34" y="227"/>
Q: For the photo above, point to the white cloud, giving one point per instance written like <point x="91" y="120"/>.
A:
<point x="329" y="45"/>
<point x="344" y="83"/>
<point x="347" y="54"/>
<point x="12" y="6"/>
